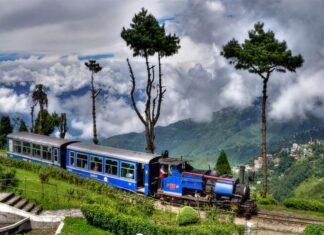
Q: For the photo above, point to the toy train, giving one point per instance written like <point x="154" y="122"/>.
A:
<point x="150" y="174"/>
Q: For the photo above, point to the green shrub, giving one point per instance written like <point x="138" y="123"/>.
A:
<point x="187" y="215"/>
<point x="118" y="223"/>
<point x="44" y="175"/>
<point x="269" y="200"/>
<point x="304" y="204"/>
<point x="7" y="179"/>
<point x="314" y="229"/>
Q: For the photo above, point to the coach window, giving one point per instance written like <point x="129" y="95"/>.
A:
<point x="36" y="150"/>
<point x="26" y="148"/>
<point x="82" y="161"/>
<point x="17" y="146"/>
<point x="72" y="158"/>
<point x="47" y="153"/>
<point x="55" y="154"/>
<point x="96" y="164"/>
<point x="111" y="167"/>
<point x="127" y="170"/>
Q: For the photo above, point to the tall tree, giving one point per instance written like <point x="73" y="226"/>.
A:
<point x="94" y="68"/>
<point x="5" y="129"/>
<point x="22" y="125"/>
<point x="48" y="125"/>
<point x="222" y="165"/>
<point x="39" y="96"/>
<point x="262" y="54"/>
<point x="147" y="38"/>
<point x="61" y="123"/>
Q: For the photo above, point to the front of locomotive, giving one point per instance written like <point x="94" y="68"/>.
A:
<point x="232" y="193"/>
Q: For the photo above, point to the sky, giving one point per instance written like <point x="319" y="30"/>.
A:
<point x="45" y="41"/>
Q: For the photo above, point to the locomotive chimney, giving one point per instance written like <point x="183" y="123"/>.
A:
<point x="242" y="174"/>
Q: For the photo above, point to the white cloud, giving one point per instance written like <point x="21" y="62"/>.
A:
<point x="10" y="102"/>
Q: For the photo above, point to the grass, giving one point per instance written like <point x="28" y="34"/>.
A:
<point x="3" y="151"/>
<point x="56" y="194"/>
<point x="311" y="188"/>
<point x="79" y="226"/>
<point x="281" y="208"/>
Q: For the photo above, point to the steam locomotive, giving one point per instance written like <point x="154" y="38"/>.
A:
<point x="154" y="175"/>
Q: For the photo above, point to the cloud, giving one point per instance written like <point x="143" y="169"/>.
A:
<point x="10" y="102"/>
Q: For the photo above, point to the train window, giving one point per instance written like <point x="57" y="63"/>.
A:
<point x="127" y="170"/>
<point x="36" y="150"/>
<point x="47" y="153"/>
<point x="26" y="148"/>
<point x="17" y="146"/>
<point x="82" y="161"/>
<point x="72" y="158"/>
<point x="111" y="167"/>
<point x="55" y="154"/>
<point x="96" y="164"/>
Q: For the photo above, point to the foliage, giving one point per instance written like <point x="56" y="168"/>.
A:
<point x="304" y="204"/>
<point x="187" y="215"/>
<point x="222" y="165"/>
<point x="44" y="176"/>
<point x="22" y="126"/>
<point x="269" y="200"/>
<point x="60" y="122"/>
<point x="118" y="223"/>
<point x="5" y="129"/>
<point x="48" y="125"/>
<point x="7" y="178"/>
<point x="314" y="229"/>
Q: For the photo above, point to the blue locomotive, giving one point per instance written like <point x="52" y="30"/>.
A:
<point x="150" y="174"/>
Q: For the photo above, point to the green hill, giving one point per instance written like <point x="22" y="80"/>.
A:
<point x="236" y="131"/>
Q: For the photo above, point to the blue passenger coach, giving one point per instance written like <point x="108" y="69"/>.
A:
<point x="120" y="168"/>
<point x="37" y="148"/>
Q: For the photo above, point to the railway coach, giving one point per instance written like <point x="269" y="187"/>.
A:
<point x="130" y="170"/>
<point x="38" y="148"/>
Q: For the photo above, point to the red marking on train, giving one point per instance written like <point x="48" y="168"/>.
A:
<point x="172" y="186"/>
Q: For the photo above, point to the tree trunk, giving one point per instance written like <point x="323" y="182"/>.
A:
<point x="40" y="123"/>
<point x="149" y="135"/>
<point x="264" y="138"/>
<point x="32" y="118"/>
<point x="93" y="96"/>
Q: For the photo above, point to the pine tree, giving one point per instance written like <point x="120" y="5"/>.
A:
<point x="5" y="129"/>
<point x="262" y="54"/>
<point x="222" y="165"/>
<point x="22" y="126"/>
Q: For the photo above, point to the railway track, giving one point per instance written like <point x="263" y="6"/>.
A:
<point x="284" y="218"/>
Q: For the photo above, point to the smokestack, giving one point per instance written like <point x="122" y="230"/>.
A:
<point x="242" y="174"/>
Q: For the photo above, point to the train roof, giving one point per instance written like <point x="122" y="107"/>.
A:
<point x="122" y="154"/>
<point x="39" y="139"/>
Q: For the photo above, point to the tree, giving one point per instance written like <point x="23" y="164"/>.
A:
<point x="147" y="38"/>
<point x="48" y="122"/>
<point x="262" y="54"/>
<point x="94" y="67"/>
<point x="222" y="165"/>
<point x="39" y="96"/>
<point x="22" y="125"/>
<point x="5" y="129"/>
<point x="61" y="123"/>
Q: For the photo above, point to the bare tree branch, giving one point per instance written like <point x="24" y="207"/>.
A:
<point x="132" y="93"/>
<point x="97" y="93"/>
<point x="161" y="92"/>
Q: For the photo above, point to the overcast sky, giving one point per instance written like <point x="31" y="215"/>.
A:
<point x="45" y="41"/>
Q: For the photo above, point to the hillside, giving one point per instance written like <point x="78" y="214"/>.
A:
<point x="302" y="178"/>
<point x="236" y="131"/>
